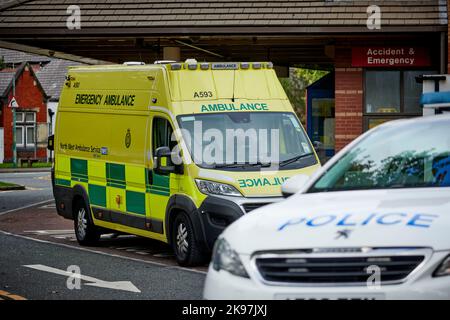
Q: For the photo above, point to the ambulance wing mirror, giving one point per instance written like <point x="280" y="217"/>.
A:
<point x="294" y="185"/>
<point x="163" y="162"/>
<point x="318" y="146"/>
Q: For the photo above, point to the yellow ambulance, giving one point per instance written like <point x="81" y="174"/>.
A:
<point x="173" y="151"/>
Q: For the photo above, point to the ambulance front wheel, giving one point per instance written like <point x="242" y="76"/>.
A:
<point x="86" y="232"/>
<point x="187" y="252"/>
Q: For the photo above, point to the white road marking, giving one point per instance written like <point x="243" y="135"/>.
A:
<point x="163" y="255"/>
<point x="61" y="237"/>
<point x="47" y="177"/>
<point x="126" y="248"/>
<point x="27" y="206"/>
<point x="48" y="206"/>
<point x="51" y="232"/>
<point x="94" y="282"/>
<point x="143" y="253"/>
<point x="104" y="253"/>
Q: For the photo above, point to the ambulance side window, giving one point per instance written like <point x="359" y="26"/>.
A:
<point x="161" y="134"/>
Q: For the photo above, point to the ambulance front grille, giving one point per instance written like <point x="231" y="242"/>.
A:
<point x="351" y="270"/>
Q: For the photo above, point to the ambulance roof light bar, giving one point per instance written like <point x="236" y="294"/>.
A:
<point x="134" y="63"/>
<point x="164" y="61"/>
<point x="192" y="64"/>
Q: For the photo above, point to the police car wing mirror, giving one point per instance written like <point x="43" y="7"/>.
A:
<point x="163" y="162"/>
<point x="293" y="185"/>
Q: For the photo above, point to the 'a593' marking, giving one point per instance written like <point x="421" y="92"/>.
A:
<point x="203" y="94"/>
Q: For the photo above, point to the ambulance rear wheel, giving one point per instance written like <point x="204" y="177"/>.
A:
<point x="187" y="252"/>
<point x="86" y="232"/>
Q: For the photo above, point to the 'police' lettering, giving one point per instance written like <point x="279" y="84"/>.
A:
<point x="359" y="220"/>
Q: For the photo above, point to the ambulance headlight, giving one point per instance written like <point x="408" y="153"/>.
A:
<point x="444" y="268"/>
<point x="225" y="258"/>
<point x="216" y="188"/>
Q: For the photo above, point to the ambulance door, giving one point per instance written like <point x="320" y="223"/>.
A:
<point x="160" y="186"/>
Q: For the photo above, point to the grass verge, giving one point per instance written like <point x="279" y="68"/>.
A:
<point x="10" y="186"/>
<point x="34" y="165"/>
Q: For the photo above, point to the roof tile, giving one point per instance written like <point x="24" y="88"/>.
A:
<point x="119" y="13"/>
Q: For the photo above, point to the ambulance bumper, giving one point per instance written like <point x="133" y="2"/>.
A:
<point x="218" y="212"/>
<point x="63" y="201"/>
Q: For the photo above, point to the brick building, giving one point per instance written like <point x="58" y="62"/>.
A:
<point x="34" y="74"/>
<point x="31" y="115"/>
<point x="374" y="69"/>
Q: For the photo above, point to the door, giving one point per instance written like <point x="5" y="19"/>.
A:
<point x="323" y="124"/>
<point x="159" y="186"/>
<point x="2" y="148"/>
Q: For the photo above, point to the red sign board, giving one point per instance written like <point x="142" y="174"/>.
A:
<point x="390" y="57"/>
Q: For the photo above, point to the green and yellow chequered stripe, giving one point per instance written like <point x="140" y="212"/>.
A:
<point x="160" y="184"/>
<point x="116" y="177"/>
<point x="79" y="170"/>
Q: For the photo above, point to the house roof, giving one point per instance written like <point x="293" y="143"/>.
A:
<point x="17" y="57"/>
<point x="52" y="76"/>
<point x="6" y="80"/>
<point x="107" y="15"/>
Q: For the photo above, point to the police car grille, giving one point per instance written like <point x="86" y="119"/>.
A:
<point x="336" y="270"/>
<point x="252" y="206"/>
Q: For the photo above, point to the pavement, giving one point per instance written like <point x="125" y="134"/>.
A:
<point x="32" y="234"/>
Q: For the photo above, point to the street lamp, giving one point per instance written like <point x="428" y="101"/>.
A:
<point x="51" y="113"/>
<point x="13" y="105"/>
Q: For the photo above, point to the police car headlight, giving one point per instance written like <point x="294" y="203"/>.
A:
<point x="444" y="268"/>
<point x="216" y="188"/>
<point x="225" y="258"/>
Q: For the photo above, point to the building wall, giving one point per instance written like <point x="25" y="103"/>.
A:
<point x="348" y="99"/>
<point x="31" y="98"/>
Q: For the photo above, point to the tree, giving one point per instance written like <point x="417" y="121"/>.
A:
<point x="2" y="63"/>
<point x="295" y="87"/>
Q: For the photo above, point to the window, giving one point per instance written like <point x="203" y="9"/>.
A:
<point x="323" y="121"/>
<point x="256" y="145"/>
<point x="383" y="91"/>
<point x="389" y="158"/>
<point x="25" y="129"/>
<point x="162" y="133"/>
<point x="30" y="136"/>
<point x="29" y="117"/>
<point x="19" y="136"/>
<point x="391" y="95"/>
<point x="412" y="91"/>
<point x="19" y="117"/>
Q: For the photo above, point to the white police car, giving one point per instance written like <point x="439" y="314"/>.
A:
<point x="373" y="223"/>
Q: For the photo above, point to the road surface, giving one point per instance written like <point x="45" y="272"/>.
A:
<point x="38" y="189"/>
<point x="153" y="281"/>
<point x="37" y="247"/>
